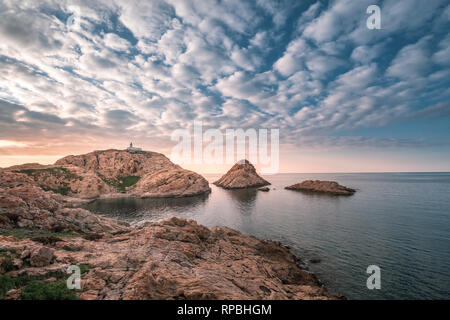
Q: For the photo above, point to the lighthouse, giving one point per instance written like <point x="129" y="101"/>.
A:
<point x="131" y="148"/>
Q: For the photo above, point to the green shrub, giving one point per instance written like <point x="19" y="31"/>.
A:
<point x="84" y="268"/>
<point x="128" y="182"/>
<point x="41" y="290"/>
<point x="22" y="233"/>
<point x="7" y="264"/>
<point x="55" y="171"/>
<point x="120" y="183"/>
<point x="6" y="284"/>
<point x="61" y="190"/>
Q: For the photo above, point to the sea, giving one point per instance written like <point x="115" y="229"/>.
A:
<point x="398" y="222"/>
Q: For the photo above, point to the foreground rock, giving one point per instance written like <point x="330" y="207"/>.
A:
<point x="109" y="173"/>
<point x="41" y="257"/>
<point x="173" y="259"/>
<point x="27" y="206"/>
<point x="317" y="186"/>
<point x="241" y="175"/>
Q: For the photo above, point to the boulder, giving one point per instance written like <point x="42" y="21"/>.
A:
<point x="41" y="257"/>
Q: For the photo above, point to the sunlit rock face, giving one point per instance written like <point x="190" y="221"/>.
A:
<point x="241" y="175"/>
<point x="30" y="207"/>
<point x="112" y="173"/>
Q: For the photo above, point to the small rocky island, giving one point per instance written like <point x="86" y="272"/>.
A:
<point x="317" y="186"/>
<point x="241" y="175"/>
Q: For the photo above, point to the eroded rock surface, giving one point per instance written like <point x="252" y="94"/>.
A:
<point x="317" y="186"/>
<point x="241" y="175"/>
<point x="110" y="173"/>
<point x="27" y="206"/>
<point x="175" y="259"/>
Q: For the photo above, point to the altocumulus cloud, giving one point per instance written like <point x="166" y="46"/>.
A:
<point x="310" y="68"/>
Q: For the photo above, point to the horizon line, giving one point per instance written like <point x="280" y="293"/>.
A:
<point x="347" y="172"/>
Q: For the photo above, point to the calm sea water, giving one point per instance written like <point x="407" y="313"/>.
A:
<point x="398" y="221"/>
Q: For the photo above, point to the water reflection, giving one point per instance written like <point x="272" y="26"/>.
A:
<point x="244" y="199"/>
<point x="319" y="195"/>
<point x="135" y="209"/>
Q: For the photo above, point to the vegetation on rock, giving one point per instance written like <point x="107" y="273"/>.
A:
<point x="42" y="290"/>
<point x="121" y="183"/>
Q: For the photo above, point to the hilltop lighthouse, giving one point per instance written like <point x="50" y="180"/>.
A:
<point x="131" y="148"/>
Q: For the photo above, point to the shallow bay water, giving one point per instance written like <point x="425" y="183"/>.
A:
<point x="398" y="221"/>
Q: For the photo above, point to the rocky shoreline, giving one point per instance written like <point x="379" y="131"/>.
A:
<point x="173" y="259"/>
<point x="43" y="232"/>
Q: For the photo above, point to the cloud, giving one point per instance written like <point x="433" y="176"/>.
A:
<point x="441" y="56"/>
<point x="7" y="143"/>
<point x="115" y="42"/>
<point x="120" y="118"/>
<point x="341" y="17"/>
<point x="411" y="61"/>
<point x="145" y="68"/>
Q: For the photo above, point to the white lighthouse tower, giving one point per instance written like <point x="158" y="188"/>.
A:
<point x="131" y="148"/>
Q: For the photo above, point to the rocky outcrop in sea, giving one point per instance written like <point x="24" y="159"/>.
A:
<point x="317" y="186"/>
<point x="242" y="175"/>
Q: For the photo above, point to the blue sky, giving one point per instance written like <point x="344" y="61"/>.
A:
<point x="344" y="97"/>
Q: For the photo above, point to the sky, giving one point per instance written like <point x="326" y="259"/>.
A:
<point x="78" y="76"/>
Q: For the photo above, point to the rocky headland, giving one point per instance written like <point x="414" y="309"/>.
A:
<point x="242" y="175"/>
<point x="326" y="187"/>
<point x="110" y="173"/>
